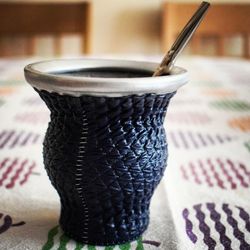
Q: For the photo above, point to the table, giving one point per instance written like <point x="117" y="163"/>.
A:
<point x="203" y="200"/>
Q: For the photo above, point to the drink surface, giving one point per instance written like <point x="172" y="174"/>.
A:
<point x="106" y="73"/>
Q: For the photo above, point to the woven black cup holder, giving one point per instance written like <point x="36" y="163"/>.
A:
<point x="105" y="149"/>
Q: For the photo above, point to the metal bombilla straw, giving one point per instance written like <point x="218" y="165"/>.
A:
<point x="182" y="40"/>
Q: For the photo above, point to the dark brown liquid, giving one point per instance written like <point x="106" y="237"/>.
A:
<point x="106" y="73"/>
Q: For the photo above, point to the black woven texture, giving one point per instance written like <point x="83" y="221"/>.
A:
<point x="105" y="156"/>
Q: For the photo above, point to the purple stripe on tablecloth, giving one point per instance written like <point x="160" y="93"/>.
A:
<point x="29" y="172"/>
<point x="245" y="217"/>
<point x="150" y="242"/>
<point x="26" y="139"/>
<point x="205" y="173"/>
<point x="204" y="228"/>
<point x="3" y="163"/>
<point x="184" y="173"/>
<point x="219" y="138"/>
<point x="246" y="172"/>
<point x="216" y="175"/>
<point x="210" y="138"/>
<point x="9" y="135"/>
<point x="200" y="136"/>
<point x="237" y="174"/>
<point x="35" y="139"/>
<point x="220" y="228"/>
<point x="16" y="139"/>
<point x="192" y="138"/>
<point x="13" y="138"/>
<point x="2" y="134"/>
<point x="194" y="173"/>
<point x="6" y="225"/>
<point x="16" y="175"/>
<point x="225" y="172"/>
<point x="8" y="171"/>
<point x="189" y="226"/>
<point x="172" y="136"/>
<point x="236" y="231"/>
<point x="183" y="138"/>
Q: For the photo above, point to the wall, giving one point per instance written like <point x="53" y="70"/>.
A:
<point x="130" y="26"/>
<point x="120" y="26"/>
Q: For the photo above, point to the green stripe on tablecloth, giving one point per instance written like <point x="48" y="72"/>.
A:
<point x="79" y="246"/>
<point x="109" y="248"/>
<point x="247" y="145"/>
<point x="235" y="105"/>
<point x="126" y="246"/>
<point x="139" y="244"/>
<point x="63" y="242"/>
<point x="8" y="83"/>
<point x="50" y="242"/>
<point x="91" y="247"/>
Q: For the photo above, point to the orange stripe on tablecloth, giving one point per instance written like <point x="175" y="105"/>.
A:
<point x="242" y="123"/>
<point x="7" y="90"/>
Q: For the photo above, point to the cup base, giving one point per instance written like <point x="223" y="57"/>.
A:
<point x="101" y="242"/>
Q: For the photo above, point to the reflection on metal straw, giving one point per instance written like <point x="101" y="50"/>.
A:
<point x="181" y="41"/>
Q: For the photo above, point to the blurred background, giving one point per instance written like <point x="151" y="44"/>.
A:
<point x="73" y="27"/>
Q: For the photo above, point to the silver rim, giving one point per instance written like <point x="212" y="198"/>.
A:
<point x="40" y="76"/>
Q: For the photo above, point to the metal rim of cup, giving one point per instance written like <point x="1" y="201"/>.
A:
<point x="41" y="75"/>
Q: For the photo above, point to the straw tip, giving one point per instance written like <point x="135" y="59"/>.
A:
<point x="206" y="3"/>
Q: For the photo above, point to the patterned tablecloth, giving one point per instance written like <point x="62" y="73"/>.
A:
<point x="203" y="201"/>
